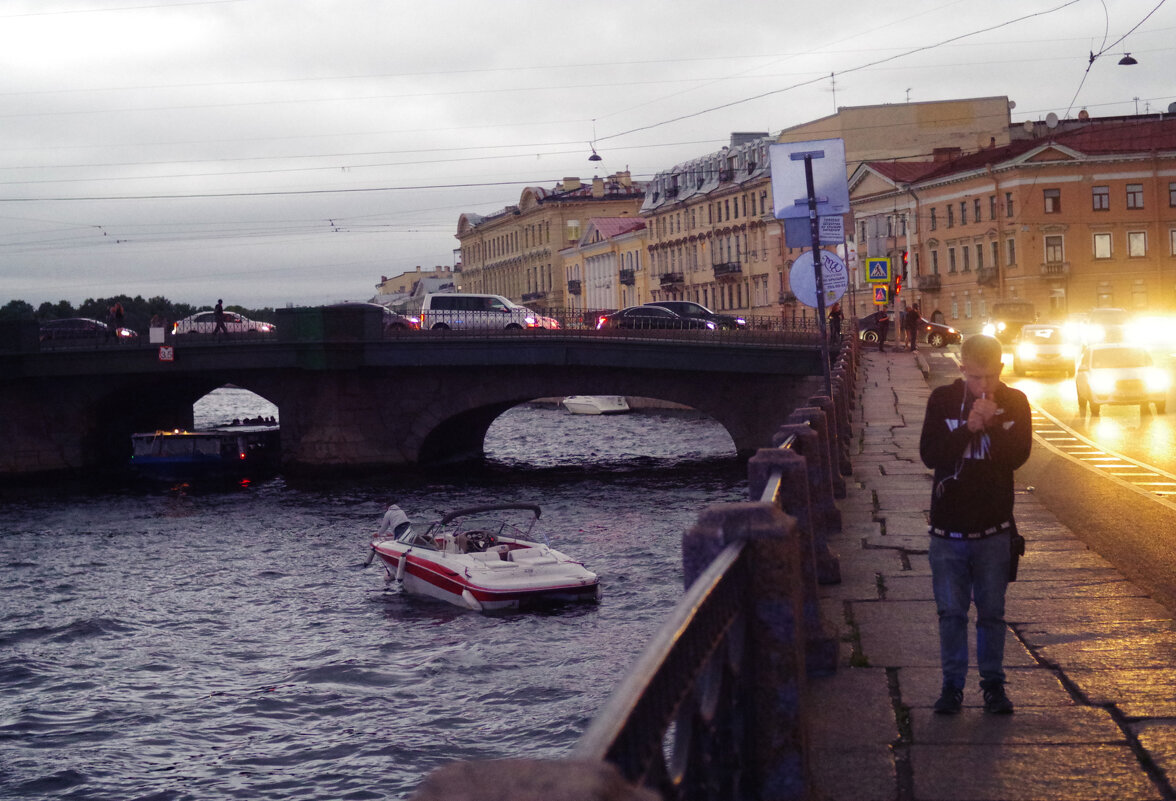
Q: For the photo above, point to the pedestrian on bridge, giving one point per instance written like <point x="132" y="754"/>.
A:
<point x="218" y="316"/>
<point x="976" y="432"/>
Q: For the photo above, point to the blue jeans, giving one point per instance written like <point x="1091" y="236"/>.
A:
<point x="963" y="570"/>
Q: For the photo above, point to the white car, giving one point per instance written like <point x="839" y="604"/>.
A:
<point x="205" y="323"/>
<point x="1120" y="374"/>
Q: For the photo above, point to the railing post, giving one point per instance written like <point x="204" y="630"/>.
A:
<point x="832" y="441"/>
<point x="773" y="688"/>
<point x="530" y="780"/>
<point x="808" y="445"/>
<point x="841" y="407"/>
<point x="821" y="481"/>
<point x="792" y="497"/>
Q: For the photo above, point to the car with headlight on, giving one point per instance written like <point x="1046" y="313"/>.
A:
<point x="937" y="335"/>
<point x="688" y="308"/>
<point x="83" y="328"/>
<point x="1007" y="319"/>
<point x="650" y="318"/>
<point x="1101" y="325"/>
<point x="1122" y="375"/>
<point x="1044" y="348"/>
<point x="205" y="323"/>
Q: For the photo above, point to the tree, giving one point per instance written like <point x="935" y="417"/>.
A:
<point x="16" y="310"/>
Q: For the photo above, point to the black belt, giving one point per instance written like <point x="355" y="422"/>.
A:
<point x="970" y="535"/>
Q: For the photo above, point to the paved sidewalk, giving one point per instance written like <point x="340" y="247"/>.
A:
<point x="1090" y="658"/>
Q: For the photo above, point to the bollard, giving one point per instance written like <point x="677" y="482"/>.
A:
<point x="529" y="780"/>
<point x="808" y="445"/>
<point x="787" y="473"/>
<point x="773" y="687"/>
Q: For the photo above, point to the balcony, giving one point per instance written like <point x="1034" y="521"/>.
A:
<point x="728" y="270"/>
<point x="987" y="276"/>
<point x="574" y="287"/>
<point x="670" y="280"/>
<point x="928" y="283"/>
<point x="628" y="277"/>
<point x="1055" y="268"/>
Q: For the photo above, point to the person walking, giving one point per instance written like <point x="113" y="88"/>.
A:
<point x="976" y="432"/>
<point x="835" y="317"/>
<point x="883" y="327"/>
<point x="218" y="316"/>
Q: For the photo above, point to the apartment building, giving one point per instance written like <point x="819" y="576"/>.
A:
<point x="1081" y="217"/>
<point x="516" y="252"/>
<point x="607" y="268"/>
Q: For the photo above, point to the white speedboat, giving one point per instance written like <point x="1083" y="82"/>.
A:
<point x="472" y="560"/>
<point x="596" y="404"/>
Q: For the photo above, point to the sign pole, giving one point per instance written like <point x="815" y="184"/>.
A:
<point x="818" y="267"/>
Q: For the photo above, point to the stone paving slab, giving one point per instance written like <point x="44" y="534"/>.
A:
<point x="1028" y="687"/>
<point x="1136" y="692"/>
<point x="1028" y="725"/>
<point x="1078" y="772"/>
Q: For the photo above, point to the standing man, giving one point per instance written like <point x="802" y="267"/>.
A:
<point x="883" y="327"/>
<point x="976" y="432"/>
<point x="913" y="319"/>
<point x="835" y="317"/>
<point x="218" y="315"/>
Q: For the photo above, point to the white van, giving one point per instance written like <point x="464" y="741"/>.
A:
<point x="460" y="310"/>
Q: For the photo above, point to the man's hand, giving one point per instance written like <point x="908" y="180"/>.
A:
<point x="982" y="414"/>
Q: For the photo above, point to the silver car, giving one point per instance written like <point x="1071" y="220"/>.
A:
<point x="1044" y="348"/>
<point x="1120" y="374"/>
<point x="205" y="323"/>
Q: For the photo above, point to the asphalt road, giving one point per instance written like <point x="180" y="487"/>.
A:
<point x="1129" y="520"/>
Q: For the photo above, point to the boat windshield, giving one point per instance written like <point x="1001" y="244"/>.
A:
<point x="419" y="539"/>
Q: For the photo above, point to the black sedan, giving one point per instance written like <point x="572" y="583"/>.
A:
<point x="934" y="334"/>
<point x="687" y="308"/>
<point x="650" y="317"/>
<point x="83" y="328"/>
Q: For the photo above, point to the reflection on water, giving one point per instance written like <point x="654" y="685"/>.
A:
<point x="208" y="644"/>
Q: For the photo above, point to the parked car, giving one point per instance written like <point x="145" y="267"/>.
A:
<point x="1007" y="319"/>
<point x="83" y="328"/>
<point x="463" y="310"/>
<point x="205" y="323"/>
<point x="1044" y="348"/>
<point x="651" y="317"/>
<point x="1120" y="374"/>
<point x="687" y="308"/>
<point x="392" y="320"/>
<point x="936" y="335"/>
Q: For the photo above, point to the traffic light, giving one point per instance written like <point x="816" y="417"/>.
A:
<point x="897" y="284"/>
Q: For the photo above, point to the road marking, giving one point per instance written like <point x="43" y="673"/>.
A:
<point x="1142" y="478"/>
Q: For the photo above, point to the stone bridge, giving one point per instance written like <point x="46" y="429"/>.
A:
<point x="351" y="398"/>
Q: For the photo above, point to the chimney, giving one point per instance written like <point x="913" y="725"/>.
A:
<point x="624" y="180"/>
<point x="941" y="154"/>
<point x="597" y="187"/>
<point x="570" y="184"/>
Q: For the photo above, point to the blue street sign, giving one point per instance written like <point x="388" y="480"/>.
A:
<point x="878" y="270"/>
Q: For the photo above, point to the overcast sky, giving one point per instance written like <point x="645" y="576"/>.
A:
<point x="271" y="152"/>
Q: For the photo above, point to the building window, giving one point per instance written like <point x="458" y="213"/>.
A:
<point x="992" y="207"/>
<point x="934" y="223"/>
<point x="1008" y="204"/>
<point x="1054" y="250"/>
<point x="995" y="254"/>
<point x="1053" y="201"/>
<point x="951" y="262"/>
<point x="1135" y="196"/>
<point x="1101" y="198"/>
<point x="1139" y="294"/>
<point x="935" y="255"/>
<point x="1102" y="246"/>
<point x="979" y="258"/>
<point x="963" y="212"/>
<point x="967" y="258"/>
<point x="1172" y="242"/>
<point x="1172" y="195"/>
<point x="976" y="210"/>
<point x="1104" y="295"/>
<point x="1011" y="250"/>
<point x="1136" y="244"/>
<point x="950" y="215"/>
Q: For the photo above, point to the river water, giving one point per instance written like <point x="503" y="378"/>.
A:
<point x="185" y="643"/>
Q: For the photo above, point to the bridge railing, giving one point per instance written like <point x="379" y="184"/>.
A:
<point x="714" y="706"/>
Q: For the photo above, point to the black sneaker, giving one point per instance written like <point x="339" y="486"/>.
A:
<point x="951" y="700"/>
<point x="995" y="700"/>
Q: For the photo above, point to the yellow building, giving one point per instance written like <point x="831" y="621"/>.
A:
<point x="607" y="268"/>
<point x="515" y="252"/>
<point x="1080" y="217"/>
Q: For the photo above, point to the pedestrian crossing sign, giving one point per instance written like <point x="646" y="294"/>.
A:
<point x="880" y="295"/>
<point x="878" y="270"/>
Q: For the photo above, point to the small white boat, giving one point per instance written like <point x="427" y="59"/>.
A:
<point x="484" y="566"/>
<point x="596" y="404"/>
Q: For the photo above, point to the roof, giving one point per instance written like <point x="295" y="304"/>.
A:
<point x="615" y="226"/>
